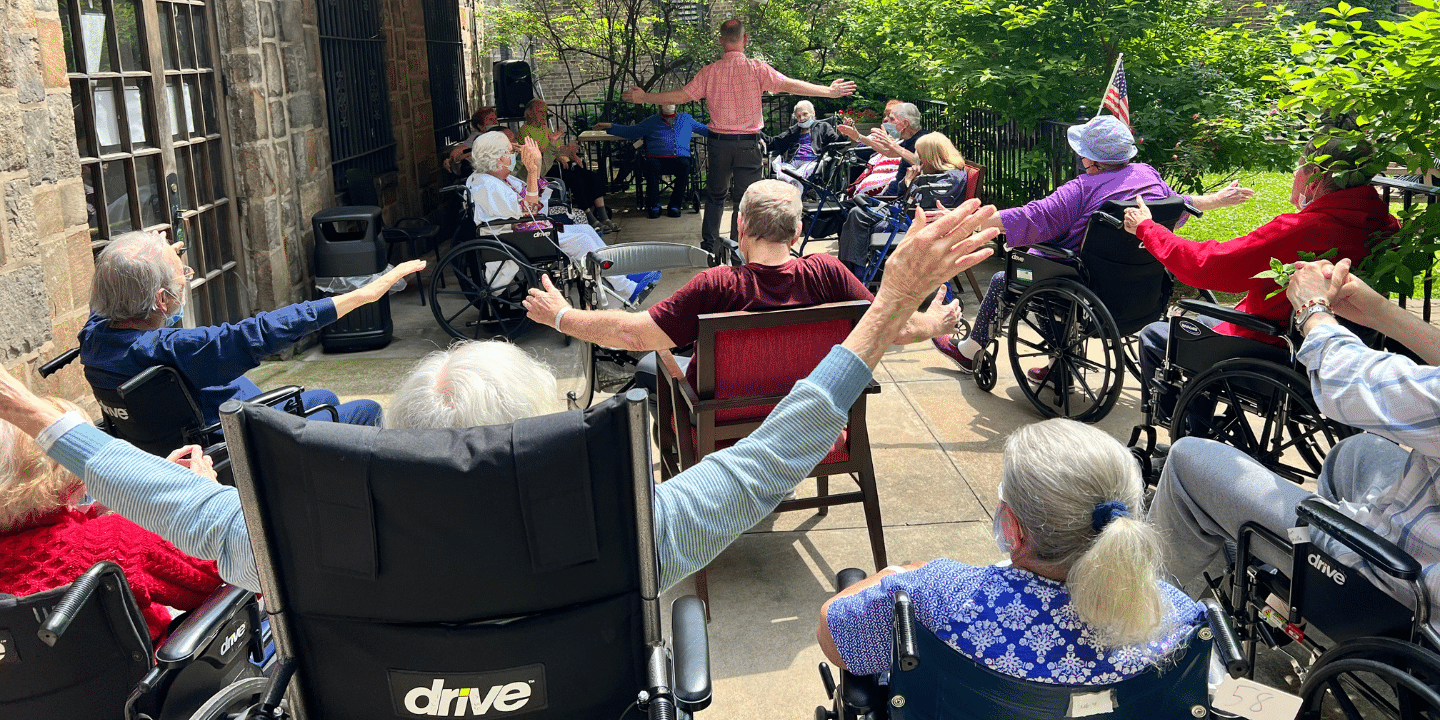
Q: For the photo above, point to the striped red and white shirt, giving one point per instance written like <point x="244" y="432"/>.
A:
<point x="731" y="88"/>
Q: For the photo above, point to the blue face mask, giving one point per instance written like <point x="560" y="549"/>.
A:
<point x="807" y="123"/>
<point x="891" y="129"/>
<point x="175" y="319"/>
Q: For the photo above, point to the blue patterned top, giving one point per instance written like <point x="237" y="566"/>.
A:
<point x="1010" y="620"/>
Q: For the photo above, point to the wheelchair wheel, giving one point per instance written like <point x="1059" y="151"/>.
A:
<point x="1063" y="334"/>
<point x="233" y="701"/>
<point x="1372" y="677"/>
<point x="984" y="369"/>
<point x="1264" y="410"/>
<point x="478" y="288"/>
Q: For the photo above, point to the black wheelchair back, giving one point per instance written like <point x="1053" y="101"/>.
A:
<point x="1070" y="315"/>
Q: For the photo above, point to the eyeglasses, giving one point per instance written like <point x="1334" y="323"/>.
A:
<point x="189" y="272"/>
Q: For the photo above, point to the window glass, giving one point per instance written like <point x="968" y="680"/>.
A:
<point x="132" y="49"/>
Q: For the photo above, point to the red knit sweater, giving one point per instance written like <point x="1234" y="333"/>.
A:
<point x="59" y="546"/>
<point x="1345" y="219"/>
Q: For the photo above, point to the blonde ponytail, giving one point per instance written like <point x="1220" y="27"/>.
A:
<point x="1113" y="584"/>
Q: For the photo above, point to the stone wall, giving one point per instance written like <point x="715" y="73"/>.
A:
<point x="409" y="191"/>
<point x="45" y="262"/>
<point x="270" y="53"/>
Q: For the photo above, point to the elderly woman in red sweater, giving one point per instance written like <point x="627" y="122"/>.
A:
<point x="47" y="538"/>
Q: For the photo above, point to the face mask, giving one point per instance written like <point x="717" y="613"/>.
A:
<point x="514" y="161"/>
<point x="997" y="527"/>
<point x="175" y="319"/>
<point x="891" y="129"/>
<point x="807" y="123"/>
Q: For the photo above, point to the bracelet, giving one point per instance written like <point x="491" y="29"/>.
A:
<point x="1311" y="311"/>
<point x="559" y="315"/>
<point x="1308" y="304"/>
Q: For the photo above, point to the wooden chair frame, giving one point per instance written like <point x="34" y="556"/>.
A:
<point x="683" y="409"/>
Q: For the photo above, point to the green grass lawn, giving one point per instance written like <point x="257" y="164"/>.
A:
<point x="1272" y="197"/>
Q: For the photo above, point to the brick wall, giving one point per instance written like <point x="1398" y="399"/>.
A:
<point x="45" y="263"/>
<point x="270" y="53"/>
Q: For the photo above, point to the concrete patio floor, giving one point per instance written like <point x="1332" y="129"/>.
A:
<point x="937" y="443"/>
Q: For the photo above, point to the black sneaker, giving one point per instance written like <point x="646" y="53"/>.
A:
<point x="653" y="213"/>
<point x="673" y="211"/>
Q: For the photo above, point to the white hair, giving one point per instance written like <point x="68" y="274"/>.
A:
<point x="1057" y="473"/>
<point x="474" y="383"/>
<point x="805" y="105"/>
<point x="129" y="272"/>
<point x="909" y="113"/>
<point x="488" y="150"/>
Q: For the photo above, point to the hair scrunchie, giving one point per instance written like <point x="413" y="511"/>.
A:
<point x="1107" y="511"/>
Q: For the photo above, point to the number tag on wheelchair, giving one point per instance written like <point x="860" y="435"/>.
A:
<point x="1024" y="275"/>
<point x="1250" y="699"/>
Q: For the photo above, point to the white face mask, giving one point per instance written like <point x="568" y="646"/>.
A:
<point x="997" y="527"/>
<point x="514" y="161"/>
<point x="807" y="123"/>
<point x="892" y="130"/>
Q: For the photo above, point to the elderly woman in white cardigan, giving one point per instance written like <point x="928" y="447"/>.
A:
<point x="500" y="195"/>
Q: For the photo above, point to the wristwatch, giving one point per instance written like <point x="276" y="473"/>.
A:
<point x="1311" y="309"/>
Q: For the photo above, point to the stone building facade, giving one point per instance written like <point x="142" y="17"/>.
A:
<point x="87" y="88"/>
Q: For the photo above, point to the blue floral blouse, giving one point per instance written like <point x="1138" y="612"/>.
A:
<point x="1010" y="620"/>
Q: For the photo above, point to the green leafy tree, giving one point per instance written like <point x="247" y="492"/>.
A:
<point x="1389" y="81"/>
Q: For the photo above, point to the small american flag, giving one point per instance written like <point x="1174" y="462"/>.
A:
<point x="1116" y="99"/>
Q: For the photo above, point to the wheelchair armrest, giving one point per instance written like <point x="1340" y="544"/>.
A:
<point x="847" y="577"/>
<point x="277" y="396"/>
<point x="1384" y="555"/>
<point x="60" y="361"/>
<point x="75" y="598"/>
<point x="1227" y="643"/>
<point x="203" y="624"/>
<point x="1231" y="315"/>
<point x="692" y="653"/>
<point x="1048" y="249"/>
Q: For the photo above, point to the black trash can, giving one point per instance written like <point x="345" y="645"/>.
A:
<point x="348" y="244"/>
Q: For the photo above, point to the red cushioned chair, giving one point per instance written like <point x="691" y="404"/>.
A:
<point x="974" y="179"/>
<point x="745" y="363"/>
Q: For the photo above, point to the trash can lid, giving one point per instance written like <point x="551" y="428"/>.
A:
<point x="347" y="212"/>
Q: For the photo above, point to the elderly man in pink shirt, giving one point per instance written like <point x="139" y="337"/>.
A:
<point x="731" y="88"/>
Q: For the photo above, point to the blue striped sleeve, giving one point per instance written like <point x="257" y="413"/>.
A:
<point x="1373" y="390"/>
<point x="703" y="509"/>
<point x="199" y="516"/>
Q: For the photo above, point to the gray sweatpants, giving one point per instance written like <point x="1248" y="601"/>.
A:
<point x="1208" y="490"/>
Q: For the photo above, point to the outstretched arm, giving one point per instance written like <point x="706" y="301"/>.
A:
<point x="836" y="89"/>
<point x="669" y="97"/>
<point x="610" y="328"/>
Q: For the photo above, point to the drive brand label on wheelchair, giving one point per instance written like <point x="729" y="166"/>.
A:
<point x="488" y="694"/>
<point x="1333" y="572"/>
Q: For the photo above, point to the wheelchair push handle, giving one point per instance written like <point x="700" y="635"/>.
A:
<point x="53" y="366"/>
<point x="1227" y="643"/>
<point x="905" y="651"/>
<point x="75" y="598"/>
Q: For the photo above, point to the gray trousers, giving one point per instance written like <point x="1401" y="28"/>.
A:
<point x="733" y="165"/>
<point x="1208" y="490"/>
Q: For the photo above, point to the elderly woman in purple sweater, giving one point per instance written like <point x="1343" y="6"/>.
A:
<point x="1105" y="146"/>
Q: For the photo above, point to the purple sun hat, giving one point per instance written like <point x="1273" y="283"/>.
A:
<point x="1105" y="139"/>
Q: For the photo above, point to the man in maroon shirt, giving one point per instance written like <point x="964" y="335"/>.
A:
<point x="769" y="223"/>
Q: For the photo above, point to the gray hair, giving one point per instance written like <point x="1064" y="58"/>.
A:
<point x="772" y="210"/>
<point x="1056" y="474"/>
<point x="129" y="272"/>
<point x="806" y="104"/>
<point x="473" y="383"/>
<point x="488" y="150"/>
<point x="909" y="113"/>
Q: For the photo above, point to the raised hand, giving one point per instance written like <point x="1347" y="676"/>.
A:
<point x="1233" y="194"/>
<point x="1136" y="215"/>
<point x="543" y="303"/>
<point x="633" y="95"/>
<point x="841" y="87"/>
<point x="530" y="155"/>
<point x="933" y="252"/>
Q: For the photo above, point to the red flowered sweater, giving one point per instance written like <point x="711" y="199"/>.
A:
<point x="59" y="546"/>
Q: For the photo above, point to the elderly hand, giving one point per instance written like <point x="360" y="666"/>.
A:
<point x="633" y="95"/>
<point x="911" y="173"/>
<point x="1136" y="215"/>
<point x="841" y="87"/>
<point x="542" y="305"/>
<point x="24" y="409"/>
<point x="376" y="289"/>
<point x="530" y="155"/>
<point x="849" y="130"/>
<point x="945" y="316"/>
<point x="881" y="142"/>
<point x="1233" y="194"/>
<point x="602" y="126"/>
<point x="194" y="457"/>
<point x="933" y="252"/>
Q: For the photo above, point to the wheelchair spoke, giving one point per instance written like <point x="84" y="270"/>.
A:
<point x="450" y="320"/>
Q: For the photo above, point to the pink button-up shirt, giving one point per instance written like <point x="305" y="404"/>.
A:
<point x="731" y="88"/>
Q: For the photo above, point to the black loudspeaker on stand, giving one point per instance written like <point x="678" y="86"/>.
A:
<point x="514" y="87"/>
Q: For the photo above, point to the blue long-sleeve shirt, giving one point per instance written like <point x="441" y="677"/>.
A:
<point x="697" y="513"/>
<point x="662" y="138"/>
<point x="214" y="359"/>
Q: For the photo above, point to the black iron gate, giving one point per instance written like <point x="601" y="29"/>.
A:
<point x="352" y="48"/>
<point x="447" y="66"/>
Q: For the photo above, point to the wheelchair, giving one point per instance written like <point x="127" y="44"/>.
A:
<point x="929" y="680"/>
<point x="83" y="651"/>
<point x="1075" y="312"/>
<point x="1370" y="655"/>
<point x="1239" y="391"/>
<point x="451" y="572"/>
<point x="157" y="412"/>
